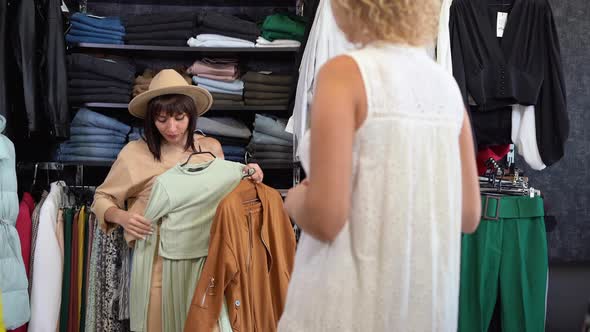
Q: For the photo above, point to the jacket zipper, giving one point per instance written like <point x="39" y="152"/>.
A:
<point x="209" y="287"/>
<point x="250" y="240"/>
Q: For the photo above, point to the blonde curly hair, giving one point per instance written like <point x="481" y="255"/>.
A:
<point x="412" y="22"/>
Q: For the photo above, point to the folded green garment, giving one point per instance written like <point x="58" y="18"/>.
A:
<point x="221" y="102"/>
<point x="266" y="102"/>
<point x="249" y="86"/>
<point x="265" y="95"/>
<point x="255" y="77"/>
<point x="283" y="26"/>
<point x="225" y="96"/>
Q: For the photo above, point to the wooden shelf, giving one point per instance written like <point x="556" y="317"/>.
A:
<point x="214" y="108"/>
<point x="178" y="49"/>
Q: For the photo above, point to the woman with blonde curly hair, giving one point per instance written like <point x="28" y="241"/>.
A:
<point x="391" y="183"/>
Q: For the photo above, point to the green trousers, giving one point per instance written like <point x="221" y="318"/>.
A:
<point x="506" y="255"/>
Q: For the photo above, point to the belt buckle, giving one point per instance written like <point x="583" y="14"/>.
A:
<point x="485" y="209"/>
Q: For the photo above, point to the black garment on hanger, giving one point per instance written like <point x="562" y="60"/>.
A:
<point x="24" y="42"/>
<point x="524" y="67"/>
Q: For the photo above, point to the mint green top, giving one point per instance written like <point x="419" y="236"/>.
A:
<point x="185" y="199"/>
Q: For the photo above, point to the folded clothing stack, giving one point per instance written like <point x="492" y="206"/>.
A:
<point x="93" y="137"/>
<point x="135" y="134"/>
<point x="274" y="66"/>
<point x="263" y="42"/>
<point x="160" y="29"/>
<point x="271" y="145"/>
<point x="94" y="79"/>
<point x="215" y="40"/>
<point x="232" y="134"/>
<point x="220" y="30"/>
<point x="142" y="82"/>
<point x="281" y="28"/>
<point x="261" y="89"/>
<point x="227" y="93"/>
<point x="91" y="29"/>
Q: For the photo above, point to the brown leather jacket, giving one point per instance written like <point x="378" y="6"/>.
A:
<point x="250" y="260"/>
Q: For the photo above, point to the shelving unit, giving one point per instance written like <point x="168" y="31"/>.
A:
<point x="91" y="47"/>
<point x="182" y="54"/>
<point x="213" y="108"/>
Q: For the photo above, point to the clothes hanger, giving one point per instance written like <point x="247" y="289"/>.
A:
<point x="197" y="153"/>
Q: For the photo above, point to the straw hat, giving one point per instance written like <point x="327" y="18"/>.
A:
<point x="168" y="81"/>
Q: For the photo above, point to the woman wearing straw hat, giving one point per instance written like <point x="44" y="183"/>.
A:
<point x="170" y="109"/>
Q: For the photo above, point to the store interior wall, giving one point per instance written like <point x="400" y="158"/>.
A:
<point x="568" y="297"/>
<point x="566" y="185"/>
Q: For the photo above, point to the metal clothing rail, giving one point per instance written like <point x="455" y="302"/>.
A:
<point x="59" y="167"/>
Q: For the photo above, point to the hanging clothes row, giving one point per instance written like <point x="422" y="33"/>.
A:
<point x="506" y="59"/>
<point x="65" y="278"/>
<point x="13" y="275"/>
<point x="505" y="262"/>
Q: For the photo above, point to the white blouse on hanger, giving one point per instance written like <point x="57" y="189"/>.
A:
<point x="48" y="267"/>
<point x="443" y="44"/>
<point x="325" y="41"/>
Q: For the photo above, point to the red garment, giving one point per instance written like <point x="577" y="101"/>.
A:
<point x="24" y="227"/>
<point x="497" y="152"/>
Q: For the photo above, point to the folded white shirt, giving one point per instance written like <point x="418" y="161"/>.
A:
<point x="263" y="42"/>
<point x="193" y="42"/>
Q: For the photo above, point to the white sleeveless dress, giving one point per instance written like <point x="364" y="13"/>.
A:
<point x="395" y="264"/>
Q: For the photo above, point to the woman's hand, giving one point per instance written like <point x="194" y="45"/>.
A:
<point x="135" y="224"/>
<point x="258" y="174"/>
<point x="295" y="199"/>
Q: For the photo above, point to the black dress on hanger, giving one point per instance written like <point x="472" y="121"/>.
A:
<point x="523" y="67"/>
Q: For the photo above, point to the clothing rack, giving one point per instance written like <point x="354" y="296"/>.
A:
<point x="59" y="167"/>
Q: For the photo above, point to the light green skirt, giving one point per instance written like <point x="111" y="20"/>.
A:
<point x="179" y="280"/>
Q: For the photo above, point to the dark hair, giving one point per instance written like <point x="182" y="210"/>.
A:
<point x="172" y="105"/>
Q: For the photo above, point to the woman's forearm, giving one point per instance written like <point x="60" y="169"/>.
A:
<point x="113" y="215"/>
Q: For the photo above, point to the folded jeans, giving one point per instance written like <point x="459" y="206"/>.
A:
<point x="96" y="139"/>
<point x="272" y="126"/>
<point x="237" y="85"/>
<point x="73" y="39"/>
<point x="260" y="138"/>
<point x="95" y="131"/>
<point x="95" y="34"/>
<point x="87" y="118"/>
<point x="85" y="27"/>
<point x="110" y="23"/>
